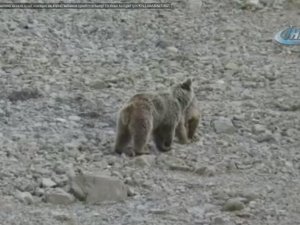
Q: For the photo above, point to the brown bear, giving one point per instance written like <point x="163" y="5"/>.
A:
<point x="153" y="114"/>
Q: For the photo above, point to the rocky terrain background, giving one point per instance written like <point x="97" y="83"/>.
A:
<point x="64" y="74"/>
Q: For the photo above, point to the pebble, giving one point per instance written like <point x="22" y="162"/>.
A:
<point x="232" y="66"/>
<point x="206" y="170"/>
<point x="98" y="84"/>
<point x="223" y="125"/>
<point x="218" y="221"/>
<point x="172" y="49"/>
<point x="61" y="216"/>
<point x="131" y="192"/>
<point x="74" y="118"/>
<point x="61" y="120"/>
<point x="48" y="183"/>
<point x="234" y="204"/>
<point x="265" y="137"/>
<point x="59" y="168"/>
<point x="258" y="129"/>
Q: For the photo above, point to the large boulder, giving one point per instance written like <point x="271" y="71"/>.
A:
<point x="96" y="188"/>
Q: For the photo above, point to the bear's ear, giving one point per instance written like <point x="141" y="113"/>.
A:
<point x="187" y="84"/>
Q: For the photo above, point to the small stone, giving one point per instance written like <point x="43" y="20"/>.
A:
<point x="98" y="84"/>
<point x="59" y="168"/>
<point x="131" y="192"/>
<point x="249" y="196"/>
<point x="253" y="204"/>
<point x="243" y="214"/>
<point x="39" y="192"/>
<point x="59" y="196"/>
<point x="220" y="85"/>
<point x="61" y="120"/>
<point x="232" y="66"/>
<point x="60" y="216"/>
<point x="201" y="170"/>
<point x="48" y="183"/>
<point x="289" y="132"/>
<point x="206" y="170"/>
<point x="223" y="125"/>
<point x="162" y="44"/>
<point x="218" y="221"/>
<point x="130" y="181"/>
<point x="249" y="84"/>
<point x="172" y="49"/>
<point x="265" y="137"/>
<point x="250" y="4"/>
<point x="258" y="129"/>
<point x="234" y="204"/>
<point x="24" y="197"/>
<point x="74" y="118"/>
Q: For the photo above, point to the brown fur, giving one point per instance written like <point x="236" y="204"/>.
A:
<point x="156" y="114"/>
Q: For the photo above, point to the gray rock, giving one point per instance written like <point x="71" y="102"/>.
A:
<point x="218" y="221"/>
<point x="258" y="129"/>
<point x="96" y="188"/>
<point x="39" y="192"/>
<point x="98" y="84"/>
<point x="250" y="4"/>
<point x="265" y="137"/>
<point x="61" y="216"/>
<point x="223" y="125"/>
<point x="58" y="196"/>
<point x="172" y="49"/>
<point x="234" y="204"/>
<point x="194" y="6"/>
<point x="249" y="196"/>
<point x="59" y="168"/>
<point x="74" y="118"/>
<point x="61" y="120"/>
<point x="24" y="197"/>
<point x="48" y="183"/>
<point x="206" y="171"/>
<point x="232" y="66"/>
<point x="131" y="192"/>
<point x="252" y="204"/>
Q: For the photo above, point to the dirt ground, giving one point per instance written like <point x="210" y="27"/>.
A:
<point x="65" y="73"/>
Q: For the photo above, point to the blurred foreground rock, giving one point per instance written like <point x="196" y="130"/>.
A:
<point x="96" y="188"/>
